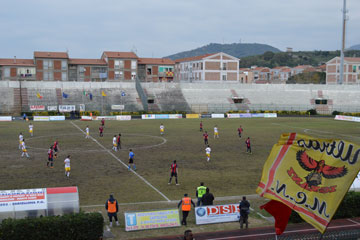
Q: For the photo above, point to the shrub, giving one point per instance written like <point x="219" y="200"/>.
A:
<point x="80" y="226"/>
<point x="311" y="112"/>
<point x="336" y="113"/>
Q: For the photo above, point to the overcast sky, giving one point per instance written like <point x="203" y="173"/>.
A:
<point x="156" y="28"/>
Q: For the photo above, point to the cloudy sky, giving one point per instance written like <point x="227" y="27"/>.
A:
<point x="156" y="28"/>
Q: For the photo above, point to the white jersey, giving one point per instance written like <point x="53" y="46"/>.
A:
<point x="208" y="150"/>
<point x="87" y="130"/>
<point x="67" y="162"/>
<point x="31" y="127"/>
<point x="21" y="138"/>
<point x="23" y="146"/>
<point x="114" y="140"/>
<point x="215" y="129"/>
<point x="162" y="127"/>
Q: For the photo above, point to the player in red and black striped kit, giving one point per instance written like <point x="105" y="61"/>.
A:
<point x="174" y="172"/>
<point x="56" y="148"/>
<point x="206" y="138"/>
<point x="50" y="157"/>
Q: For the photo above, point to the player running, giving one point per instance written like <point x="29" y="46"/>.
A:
<point x="103" y="122"/>
<point x="101" y="130"/>
<point x="119" y="141"/>
<point x="21" y="138"/>
<point x="56" y="148"/>
<point x="50" y="157"/>
<point x="162" y="129"/>
<point x="31" y="129"/>
<point x="131" y="160"/>
<point x="240" y="130"/>
<point x="248" y="146"/>
<point x="67" y="166"/>
<point x="114" y="144"/>
<point x="208" y="151"/>
<point x="216" y="132"/>
<point x="206" y="138"/>
<point x="174" y="173"/>
<point x="201" y="126"/>
<point x="24" y="150"/>
<point x="87" y="130"/>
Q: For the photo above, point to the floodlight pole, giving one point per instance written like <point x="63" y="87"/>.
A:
<point x="341" y="79"/>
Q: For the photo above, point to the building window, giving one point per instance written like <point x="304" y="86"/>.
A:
<point x="48" y="64"/>
<point x="6" y="72"/>
<point x="223" y="66"/>
<point x="63" y="76"/>
<point x="148" y="71"/>
<point x="133" y="64"/>
<point x="354" y="68"/>
<point x="48" y="76"/>
<point x="63" y="65"/>
<point x="119" y="64"/>
<point x="320" y="101"/>
<point x="224" y="77"/>
<point x="118" y="74"/>
<point x="133" y="75"/>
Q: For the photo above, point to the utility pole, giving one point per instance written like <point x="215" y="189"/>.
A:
<point x="341" y="79"/>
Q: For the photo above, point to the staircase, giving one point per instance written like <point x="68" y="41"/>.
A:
<point x="21" y="100"/>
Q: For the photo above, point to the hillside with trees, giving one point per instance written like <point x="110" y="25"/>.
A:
<point x="292" y="59"/>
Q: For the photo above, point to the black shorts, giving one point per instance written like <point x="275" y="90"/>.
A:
<point x="50" y="159"/>
<point x="55" y="149"/>
<point x="131" y="160"/>
<point x="173" y="174"/>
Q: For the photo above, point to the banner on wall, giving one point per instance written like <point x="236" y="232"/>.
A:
<point x="117" y="107"/>
<point x="151" y="219"/>
<point x="347" y="118"/>
<point x="192" y="115"/>
<point x="5" y="118"/>
<point x="37" y="107"/>
<point x="52" y="108"/>
<point x="217" y="115"/>
<point x="41" y="118"/>
<point x="217" y="214"/>
<point x="148" y="116"/>
<point x="123" y="117"/>
<point x="66" y="108"/>
<point x="161" y="116"/>
<point x="175" y="116"/>
<point x="82" y="107"/>
<point x="23" y="200"/>
<point x="86" y="118"/>
<point x="57" y="118"/>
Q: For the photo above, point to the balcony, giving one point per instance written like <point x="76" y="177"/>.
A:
<point x="26" y="76"/>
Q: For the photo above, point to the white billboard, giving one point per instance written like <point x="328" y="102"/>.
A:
<point x="217" y="214"/>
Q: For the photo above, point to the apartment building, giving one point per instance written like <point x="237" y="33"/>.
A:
<point x="246" y="75"/>
<point x="51" y="66"/>
<point x="121" y="65"/>
<point x="17" y="69"/>
<point x="351" y="71"/>
<point x="219" y="67"/>
<point x="156" y="69"/>
<point x="87" y="70"/>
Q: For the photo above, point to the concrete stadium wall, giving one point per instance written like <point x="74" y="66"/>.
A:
<point x="52" y="95"/>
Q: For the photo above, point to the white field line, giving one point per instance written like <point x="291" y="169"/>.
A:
<point x="353" y="221"/>
<point x="119" y="160"/>
<point x="273" y="232"/>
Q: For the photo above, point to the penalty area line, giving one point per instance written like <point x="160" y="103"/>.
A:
<point x="119" y="160"/>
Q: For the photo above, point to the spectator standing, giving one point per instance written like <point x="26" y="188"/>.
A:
<point x="200" y="191"/>
<point x="188" y="235"/>
<point x="208" y="198"/>
<point x="174" y="172"/>
<point x="112" y="208"/>
<point x="186" y="207"/>
<point x="244" y="207"/>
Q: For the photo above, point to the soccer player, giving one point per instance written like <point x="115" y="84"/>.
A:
<point x="248" y="146"/>
<point x="56" y="148"/>
<point x="216" y="132"/>
<point x="31" y="129"/>
<point x="67" y="166"/>
<point x="101" y="130"/>
<point x="174" y="172"/>
<point x="114" y="144"/>
<point x="201" y="126"/>
<point x="208" y="151"/>
<point x="162" y="129"/>
<point x="21" y="138"/>
<point x="23" y="148"/>
<point x="50" y="157"/>
<point x="240" y="130"/>
<point x="119" y="141"/>
<point x="103" y="122"/>
<point x="87" y="132"/>
<point x="131" y="160"/>
<point x="206" y="138"/>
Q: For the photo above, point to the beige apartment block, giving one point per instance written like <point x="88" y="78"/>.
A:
<point x="351" y="71"/>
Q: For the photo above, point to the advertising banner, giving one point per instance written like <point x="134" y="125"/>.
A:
<point x="161" y="116"/>
<point x="22" y="200"/>
<point x="41" y="118"/>
<point x="217" y="214"/>
<point x="37" y="107"/>
<point x="347" y="118"/>
<point x="123" y="117"/>
<point x="193" y="115"/>
<point x="148" y="116"/>
<point x="255" y="115"/>
<point x="175" y="116"/>
<point x="270" y="115"/>
<point x="205" y="115"/>
<point x="52" y="108"/>
<point x="5" y="118"/>
<point x="57" y="118"/>
<point x="86" y="118"/>
<point x="82" y="107"/>
<point x="106" y="117"/>
<point x="117" y="107"/>
<point x="245" y="115"/>
<point x="151" y="219"/>
<point x="233" y="115"/>
<point x="66" y="108"/>
<point x="217" y="115"/>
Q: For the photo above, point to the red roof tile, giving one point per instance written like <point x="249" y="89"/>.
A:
<point x="17" y="62"/>
<point x="195" y="58"/>
<point x="51" y="55"/>
<point x="157" y="61"/>
<point x="110" y="54"/>
<point x="81" y="61"/>
<point x="352" y="59"/>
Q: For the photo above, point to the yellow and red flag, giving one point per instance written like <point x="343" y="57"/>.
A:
<point x="103" y="94"/>
<point x="38" y="96"/>
<point x="308" y="175"/>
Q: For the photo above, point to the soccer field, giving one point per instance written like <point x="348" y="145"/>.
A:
<point x="99" y="171"/>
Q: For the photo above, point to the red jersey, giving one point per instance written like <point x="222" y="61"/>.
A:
<point x="247" y="142"/>
<point x="50" y="153"/>
<point x="103" y="121"/>
<point x="118" y="139"/>
<point x="173" y="167"/>
<point x="101" y="129"/>
<point x="200" y="125"/>
<point x="240" y="130"/>
<point x="205" y="136"/>
<point x="55" y="144"/>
